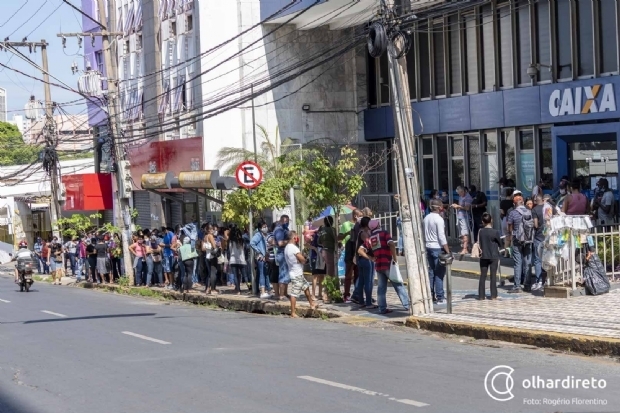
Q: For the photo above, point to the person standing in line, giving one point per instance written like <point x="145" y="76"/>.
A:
<point x="155" y="252"/>
<point x="186" y="257"/>
<point x="539" y="238"/>
<point x="383" y="249"/>
<point x="81" y="256"/>
<point x="38" y="246"/>
<point x="116" y="254"/>
<point x="604" y="203"/>
<point x="538" y="189"/>
<point x="329" y="244"/>
<point x="70" y="248"/>
<point x="463" y="208"/>
<point x="57" y="254"/>
<point x="45" y="256"/>
<point x="478" y="208"/>
<point x="209" y="246"/>
<point x="168" y="257"/>
<point x="281" y="236"/>
<point x="521" y="251"/>
<point x="237" y="257"/>
<point x="259" y="245"/>
<point x="490" y="243"/>
<point x="365" y="262"/>
<point x="92" y="260"/>
<point x="103" y="267"/>
<point x="576" y="203"/>
<point x="295" y="264"/>
<point x="274" y="274"/>
<point x="318" y="266"/>
<point x="139" y="264"/>
<point x="349" y="252"/>
<point x="435" y="241"/>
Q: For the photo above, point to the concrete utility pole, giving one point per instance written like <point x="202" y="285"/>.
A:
<point x="51" y="135"/>
<point x="415" y="254"/>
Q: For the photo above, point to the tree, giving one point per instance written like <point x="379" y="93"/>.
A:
<point x="77" y="225"/>
<point x="14" y="150"/>
<point x="274" y="158"/>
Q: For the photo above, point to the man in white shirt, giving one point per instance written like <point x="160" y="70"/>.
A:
<point x="605" y="203"/>
<point x="435" y="238"/>
<point x="295" y="262"/>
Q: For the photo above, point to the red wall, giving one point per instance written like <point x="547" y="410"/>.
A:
<point x="164" y="156"/>
<point x="88" y="192"/>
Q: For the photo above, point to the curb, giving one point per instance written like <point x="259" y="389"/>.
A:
<point x="570" y="343"/>
<point x="475" y="274"/>
<point x="224" y="301"/>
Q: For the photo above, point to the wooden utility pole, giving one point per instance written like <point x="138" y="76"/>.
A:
<point x="123" y="218"/>
<point x="413" y="234"/>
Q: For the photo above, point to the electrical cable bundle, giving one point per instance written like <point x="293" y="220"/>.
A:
<point x="400" y="43"/>
<point x="377" y="39"/>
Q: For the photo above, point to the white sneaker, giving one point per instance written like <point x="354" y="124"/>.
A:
<point x="265" y="295"/>
<point x="535" y="287"/>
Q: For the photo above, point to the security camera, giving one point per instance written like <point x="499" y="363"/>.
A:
<point x="532" y="71"/>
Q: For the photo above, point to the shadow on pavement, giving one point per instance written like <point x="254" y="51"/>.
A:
<point x="93" y="317"/>
<point x="9" y="403"/>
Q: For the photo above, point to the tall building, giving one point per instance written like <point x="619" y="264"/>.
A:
<point x="24" y="125"/>
<point x="3" y="105"/>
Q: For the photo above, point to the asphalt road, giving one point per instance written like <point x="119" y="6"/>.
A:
<point x="74" y="350"/>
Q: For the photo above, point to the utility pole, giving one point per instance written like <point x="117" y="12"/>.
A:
<point x="255" y="290"/>
<point x="49" y="129"/>
<point x="123" y="217"/>
<point x="415" y="254"/>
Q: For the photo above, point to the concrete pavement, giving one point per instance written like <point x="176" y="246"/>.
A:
<point x="76" y="350"/>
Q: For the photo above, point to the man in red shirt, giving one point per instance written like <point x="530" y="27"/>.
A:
<point x="382" y="248"/>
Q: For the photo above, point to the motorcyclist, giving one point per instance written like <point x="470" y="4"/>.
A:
<point x="22" y="252"/>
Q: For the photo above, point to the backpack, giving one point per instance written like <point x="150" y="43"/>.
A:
<point x="526" y="231"/>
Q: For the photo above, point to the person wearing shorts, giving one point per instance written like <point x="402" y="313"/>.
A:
<point x="295" y="262"/>
<point x="462" y="210"/>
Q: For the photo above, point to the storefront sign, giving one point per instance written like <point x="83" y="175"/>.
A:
<point x="582" y="100"/>
<point x="527" y="172"/>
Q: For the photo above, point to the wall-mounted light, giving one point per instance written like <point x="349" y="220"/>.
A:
<point x="306" y="108"/>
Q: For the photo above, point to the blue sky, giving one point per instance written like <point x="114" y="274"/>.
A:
<point x="51" y="17"/>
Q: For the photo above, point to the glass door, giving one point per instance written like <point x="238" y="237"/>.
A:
<point x="591" y="161"/>
<point x="490" y="175"/>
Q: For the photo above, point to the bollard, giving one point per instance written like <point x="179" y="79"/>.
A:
<point x="446" y="259"/>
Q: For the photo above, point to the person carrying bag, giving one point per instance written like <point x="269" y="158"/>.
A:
<point x="489" y="244"/>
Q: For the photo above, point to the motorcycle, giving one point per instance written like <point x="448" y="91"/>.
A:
<point x="25" y="269"/>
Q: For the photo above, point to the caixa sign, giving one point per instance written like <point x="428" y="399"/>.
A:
<point x="582" y="100"/>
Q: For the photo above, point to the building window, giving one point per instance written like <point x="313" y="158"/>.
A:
<point x="585" y="43"/>
<point x="427" y="146"/>
<point x="563" y="39"/>
<point x="384" y="79"/>
<point x="473" y="160"/>
<point x="526" y="140"/>
<point x="442" y="163"/>
<point x="438" y="59"/>
<point x="454" y="54"/>
<point x="425" y="63"/>
<point x="488" y="48"/>
<point x="371" y="79"/>
<point x="543" y="39"/>
<point x="411" y="72"/>
<point x="190" y="23"/>
<point x="504" y="31"/>
<point x="527" y="166"/>
<point x="546" y="159"/>
<point x="471" y="54"/>
<point x="508" y="151"/>
<point x="607" y="36"/>
<point x="524" y="49"/>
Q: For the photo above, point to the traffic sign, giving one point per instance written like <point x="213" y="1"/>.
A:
<point x="249" y="175"/>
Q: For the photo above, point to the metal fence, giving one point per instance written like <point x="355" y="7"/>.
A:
<point x="604" y="241"/>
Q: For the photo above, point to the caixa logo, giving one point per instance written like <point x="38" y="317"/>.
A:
<point x="582" y="100"/>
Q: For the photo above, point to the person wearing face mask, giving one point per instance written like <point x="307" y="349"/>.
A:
<point x="559" y="195"/>
<point x="281" y="238"/>
<point x="138" y="249"/>
<point x="259" y="245"/>
<point x="435" y="239"/>
<point x="349" y="252"/>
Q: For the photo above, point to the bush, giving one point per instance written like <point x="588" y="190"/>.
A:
<point x="608" y="247"/>
<point x="332" y="288"/>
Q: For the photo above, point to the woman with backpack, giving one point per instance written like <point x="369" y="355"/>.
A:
<point x="489" y="240"/>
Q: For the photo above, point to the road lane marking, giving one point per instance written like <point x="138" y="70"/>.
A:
<point x="53" y="313"/>
<point x="154" y="340"/>
<point x="4" y="301"/>
<point x="360" y="390"/>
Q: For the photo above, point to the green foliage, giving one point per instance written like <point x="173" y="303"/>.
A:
<point x="328" y="183"/>
<point x="14" y="150"/>
<point x="332" y="288"/>
<point x="270" y="194"/>
<point x="77" y="225"/>
<point x="123" y="282"/>
<point x="608" y="247"/>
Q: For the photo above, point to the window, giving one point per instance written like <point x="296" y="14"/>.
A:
<point x="458" y="164"/>
<point x="425" y="63"/>
<point x="523" y="42"/>
<point x="488" y="48"/>
<point x="473" y="157"/>
<point x="384" y="79"/>
<point x="607" y="36"/>
<point x="442" y="163"/>
<point x="139" y="42"/>
<point x="505" y="42"/>
<point x="454" y="54"/>
<point x="543" y="39"/>
<point x="190" y="23"/>
<point x="527" y="166"/>
<point x="427" y="146"/>
<point x="585" y="44"/>
<point x="526" y="140"/>
<point x="546" y="160"/>
<point x="438" y="60"/>
<point x="508" y="155"/>
<point x="411" y="72"/>
<point x="471" y="54"/>
<point x="563" y="39"/>
<point x="173" y="28"/>
<point x="99" y="61"/>
<point x="371" y="78"/>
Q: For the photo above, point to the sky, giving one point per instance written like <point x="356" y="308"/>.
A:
<point x="40" y="19"/>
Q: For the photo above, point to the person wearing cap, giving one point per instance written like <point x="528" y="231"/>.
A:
<point x="462" y="209"/>
<point x="604" y="203"/>
<point x="521" y="252"/>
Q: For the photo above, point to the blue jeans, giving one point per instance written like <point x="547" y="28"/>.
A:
<point x="78" y="269"/>
<point x="436" y="273"/>
<point x="537" y="261"/>
<point x="522" y="255"/>
<point x="141" y="269"/>
<point x="43" y="268"/>
<point x="72" y="262"/>
<point x="284" y="277"/>
<point x="364" y="268"/>
<point x="382" y="291"/>
<point x="263" y="278"/>
<point x="156" y="271"/>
